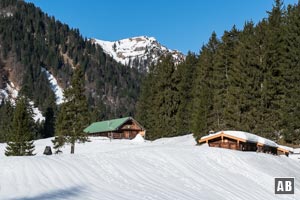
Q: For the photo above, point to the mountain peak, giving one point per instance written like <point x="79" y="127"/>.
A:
<point x="138" y="52"/>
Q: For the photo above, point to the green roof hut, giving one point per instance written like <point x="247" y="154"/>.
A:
<point x="122" y="128"/>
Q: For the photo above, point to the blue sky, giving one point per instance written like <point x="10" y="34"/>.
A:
<point x="178" y="24"/>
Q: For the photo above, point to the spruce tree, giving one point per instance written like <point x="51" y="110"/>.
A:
<point x="73" y="116"/>
<point x="249" y="65"/>
<point x="20" y="141"/>
<point x="273" y="83"/>
<point x="291" y="108"/>
<point x="186" y="73"/>
<point x="166" y="99"/>
<point x="158" y="104"/>
<point x="226" y="93"/>
<point x="145" y="112"/>
<point x="204" y="115"/>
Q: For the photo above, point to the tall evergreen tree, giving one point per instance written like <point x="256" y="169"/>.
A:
<point x="20" y="142"/>
<point x="166" y="100"/>
<point x="248" y="78"/>
<point x="291" y="108"/>
<point x="273" y="84"/>
<point x="204" y="116"/>
<point x="145" y="112"/>
<point x="226" y="92"/>
<point x="73" y="116"/>
<point x="186" y="73"/>
<point x="158" y="104"/>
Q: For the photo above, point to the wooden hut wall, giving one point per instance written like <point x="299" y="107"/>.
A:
<point x="130" y="129"/>
<point x="226" y="143"/>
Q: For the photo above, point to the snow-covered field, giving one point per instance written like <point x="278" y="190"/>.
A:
<point x="169" y="168"/>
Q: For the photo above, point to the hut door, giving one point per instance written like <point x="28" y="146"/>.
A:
<point x="126" y="134"/>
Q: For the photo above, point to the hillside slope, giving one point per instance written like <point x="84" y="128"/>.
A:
<point x="169" y="168"/>
<point x="36" y="51"/>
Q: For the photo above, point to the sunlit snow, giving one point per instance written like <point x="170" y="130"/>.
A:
<point x="166" y="169"/>
<point x="126" y="50"/>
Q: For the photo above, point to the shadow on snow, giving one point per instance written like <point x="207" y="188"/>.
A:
<point x="56" y="194"/>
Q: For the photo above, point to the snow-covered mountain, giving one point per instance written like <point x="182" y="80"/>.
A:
<point x="165" y="169"/>
<point x="138" y="52"/>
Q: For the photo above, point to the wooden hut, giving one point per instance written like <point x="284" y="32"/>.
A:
<point x="284" y="150"/>
<point x="243" y="141"/>
<point x="122" y="128"/>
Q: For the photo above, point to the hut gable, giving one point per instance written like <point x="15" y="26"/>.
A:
<point x="126" y="127"/>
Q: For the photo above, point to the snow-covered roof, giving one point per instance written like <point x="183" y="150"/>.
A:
<point x="297" y="150"/>
<point x="290" y="149"/>
<point x="245" y="136"/>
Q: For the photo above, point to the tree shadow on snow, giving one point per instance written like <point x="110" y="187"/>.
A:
<point x="56" y="194"/>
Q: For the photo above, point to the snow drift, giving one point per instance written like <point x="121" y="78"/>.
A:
<point x="169" y="168"/>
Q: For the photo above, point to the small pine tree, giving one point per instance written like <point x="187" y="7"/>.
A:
<point x="58" y="143"/>
<point x="20" y="141"/>
<point x="61" y="129"/>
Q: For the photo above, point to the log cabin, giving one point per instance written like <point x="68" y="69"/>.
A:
<point x="122" y="128"/>
<point x="243" y="141"/>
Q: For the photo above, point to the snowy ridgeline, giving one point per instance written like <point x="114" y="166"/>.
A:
<point x="142" y="48"/>
<point x="169" y="168"/>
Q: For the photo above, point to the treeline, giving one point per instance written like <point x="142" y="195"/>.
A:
<point x="31" y="40"/>
<point x="247" y="80"/>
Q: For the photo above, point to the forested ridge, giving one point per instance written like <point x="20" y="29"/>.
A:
<point x="245" y="80"/>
